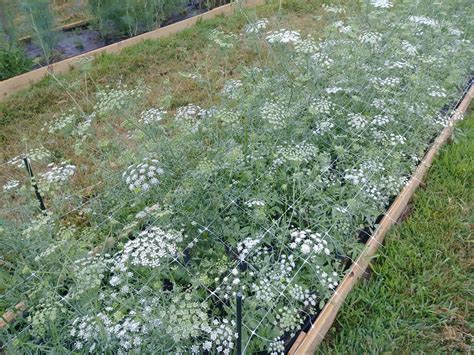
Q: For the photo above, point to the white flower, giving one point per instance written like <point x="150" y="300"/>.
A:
<point x="283" y="36"/>
<point x="187" y="113"/>
<point x="423" y="20"/>
<point x="334" y="9"/>
<point x="36" y="154"/>
<point x="10" y="185"/>
<point x="58" y="173"/>
<point x="371" y="38"/>
<point x="142" y="176"/>
<point x="334" y="90"/>
<point x="232" y="89"/>
<point x="357" y="121"/>
<point x="257" y="26"/>
<point x="274" y="113"/>
<point x="382" y="4"/>
<point x="151" y="247"/>
<point x="152" y="115"/>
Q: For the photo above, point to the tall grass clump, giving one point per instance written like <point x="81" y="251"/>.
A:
<point x="41" y="22"/>
<point x="265" y="186"/>
<point x="131" y="17"/>
<point x="13" y="60"/>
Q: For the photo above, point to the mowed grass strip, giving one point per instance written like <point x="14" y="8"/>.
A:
<point x="419" y="298"/>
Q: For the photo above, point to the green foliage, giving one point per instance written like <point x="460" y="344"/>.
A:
<point x="13" y="61"/>
<point x="253" y="167"/>
<point x="417" y="299"/>
<point x="131" y="17"/>
<point x="41" y="21"/>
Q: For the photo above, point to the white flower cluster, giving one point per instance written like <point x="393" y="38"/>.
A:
<point x="64" y="121"/>
<point x="308" y="242"/>
<point x="334" y="90"/>
<point x="254" y="203"/>
<point x="455" y="32"/>
<point x="423" y="20"/>
<point x="399" y="64"/>
<point x="230" y="285"/>
<point x="329" y="281"/>
<point x="88" y="274"/>
<point x="270" y="284"/>
<point x="334" y="9"/>
<point x="283" y="36"/>
<point x="356" y="121"/>
<point x="127" y="332"/>
<point x="371" y="38"/>
<point x="222" y="39"/>
<point x="44" y="314"/>
<point x="245" y="247"/>
<point x="222" y="336"/>
<point x="36" y="154"/>
<point x="288" y="319"/>
<point x="10" y="185"/>
<point x="436" y="91"/>
<point x="84" y="125"/>
<point x="321" y="105"/>
<point x="257" y="26"/>
<point x="148" y="211"/>
<point x="143" y="176"/>
<point x="227" y="115"/>
<point x="116" y="99"/>
<point x="264" y="290"/>
<point x="322" y="59"/>
<point x="386" y="82"/>
<point x="84" y="329"/>
<point x="188" y="112"/>
<point x="274" y="113"/>
<point x="409" y="48"/>
<point x="340" y="25"/>
<point x="232" y="89"/>
<point x="381" y="120"/>
<point x="151" y="247"/>
<point x="186" y="318"/>
<point x="441" y="119"/>
<point x="152" y="115"/>
<point x="303" y="295"/>
<point x="306" y="46"/>
<point x="381" y="4"/>
<point x="396" y="139"/>
<point x="58" y="173"/>
<point x="50" y="250"/>
<point x="300" y="153"/>
<point x="323" y="127"/>
<point x="361" y="175"/>
<point x="277" y="347"/>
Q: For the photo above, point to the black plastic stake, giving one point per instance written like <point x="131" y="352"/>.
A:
<point x="239" y="323"/>
<point x="35" y="185"/>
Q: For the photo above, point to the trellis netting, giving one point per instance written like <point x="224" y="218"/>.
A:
<point x="266" y="187"/>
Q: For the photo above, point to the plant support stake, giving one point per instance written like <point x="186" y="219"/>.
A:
<point x="239" y="323"/>
<point x="35" y="185"/>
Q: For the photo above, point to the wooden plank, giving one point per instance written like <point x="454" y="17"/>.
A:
<point x="327" y="316"/>
<point x="24" y="81"/>
<point x="69" y="26"/>
<point x="10" y="316"/>
<point x="297" y="343"/>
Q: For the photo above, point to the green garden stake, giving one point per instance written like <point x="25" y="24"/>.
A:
<point x="35" y="185"/>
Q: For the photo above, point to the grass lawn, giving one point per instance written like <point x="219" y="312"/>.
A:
<point x="419" y="296"/>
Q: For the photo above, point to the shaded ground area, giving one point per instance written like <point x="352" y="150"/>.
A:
<point x="419" y="298"/>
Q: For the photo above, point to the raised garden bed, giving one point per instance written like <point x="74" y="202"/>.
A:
<point x="262" y="184"/>
<point x="97" y="45"/>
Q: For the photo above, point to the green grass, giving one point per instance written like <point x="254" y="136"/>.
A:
<point x="419" y="298"/>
